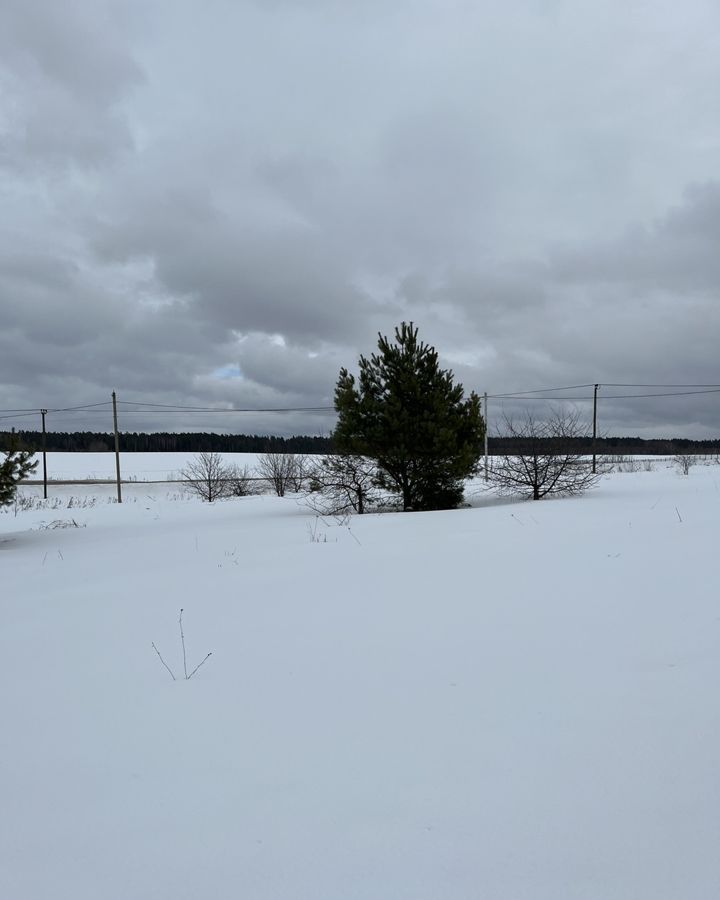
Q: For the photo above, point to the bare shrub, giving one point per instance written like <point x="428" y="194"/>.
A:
<point x="684" y="462"/>
<point x="284" y="472"/>
<point x="299" y="477"/>
<point x="342" y="483"/>
<point x="208" y="477"/>
<point x="240" y="481"/>
<point x="545" y="465"/>
<point x="622" y="463"/>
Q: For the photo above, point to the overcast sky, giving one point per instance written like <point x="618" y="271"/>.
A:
<point x="224" y="202"/>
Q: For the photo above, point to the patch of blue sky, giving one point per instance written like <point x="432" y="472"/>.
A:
<point x="225" y="372"/>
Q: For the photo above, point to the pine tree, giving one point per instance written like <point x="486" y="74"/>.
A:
<point x="17" y="465"/>
<point x="408" y="415"/>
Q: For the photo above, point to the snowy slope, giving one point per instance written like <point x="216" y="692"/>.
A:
<point x="515" y="701"/>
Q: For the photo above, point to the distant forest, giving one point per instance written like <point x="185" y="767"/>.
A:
<point x="195" y="442"/>
<point x="165" y="442"/>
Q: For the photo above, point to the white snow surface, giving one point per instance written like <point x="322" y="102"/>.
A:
<point x="135" y="466"/>
<point x="516" y="701"/>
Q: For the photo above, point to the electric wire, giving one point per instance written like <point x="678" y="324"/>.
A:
<point x="22" y="415"/>
<point x="176" y="407"/>
<point x="84" y="406"/>
<point x="570" y="387"/>
<point x="132" y="407"/>
<point x="618" y="396"/>
<point x="620" y="384"/>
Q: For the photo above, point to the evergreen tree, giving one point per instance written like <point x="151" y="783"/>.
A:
<point x="406" y="413"/>
<point x="17" y="465"/>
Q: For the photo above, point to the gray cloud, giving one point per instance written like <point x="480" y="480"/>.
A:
<point x="74" y="47"/>
<point x="64" y="72"/>
<point x="224" y="206"/>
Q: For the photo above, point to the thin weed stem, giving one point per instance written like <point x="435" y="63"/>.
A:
<point x="172" y="674"/>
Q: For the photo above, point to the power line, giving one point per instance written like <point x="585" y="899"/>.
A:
<point x="616" y="396"/>
<point x="522" y="394"/>
<point x="84" y="406"/>
<point x="619" y="384"/>
<point x="163" y="409"/>
<point x="170" y="407"/>
<point x="541" y="394"/>
<point x="570" y="387"/>
<point x="35" y="412"/>
<point x="90" y="407"/>
<point x="715" y="390"/>
<point x="183" y="410"/>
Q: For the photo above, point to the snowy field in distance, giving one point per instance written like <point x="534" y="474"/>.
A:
<point x="133" y="466"/>
<point x="167" y="466"/>
<point x="513" y="702"/>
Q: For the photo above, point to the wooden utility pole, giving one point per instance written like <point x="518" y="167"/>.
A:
<point x="594" y="438"/>
<point x="117" y="448"/>
<point x="487" y="471"/>
<point x="43" y="413"/>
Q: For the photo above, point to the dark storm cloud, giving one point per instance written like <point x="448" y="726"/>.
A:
<point x="224" y="205"/>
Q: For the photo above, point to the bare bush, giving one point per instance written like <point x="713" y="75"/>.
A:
<point x="209" y="477"/>
<point x="684" y="462"/>
<point x="284" y="472"/>
<point x="342" y="483"/>
<point x="240" y="481"/>
<point x="544" y="465"/>
<point x="621" y="462"/>
<point x="299" y="477"/>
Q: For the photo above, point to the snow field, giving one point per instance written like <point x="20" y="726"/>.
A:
<point x="133" y="466"/>
<point x="511" y="701"/>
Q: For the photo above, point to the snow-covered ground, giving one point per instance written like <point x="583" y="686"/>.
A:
<point x="133" y="466"/>
<point x="516" y="701"/>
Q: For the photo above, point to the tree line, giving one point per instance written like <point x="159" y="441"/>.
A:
<point x="164" y="442"/>
<point x="200" y="442"/>
<point x="607" y="446"/>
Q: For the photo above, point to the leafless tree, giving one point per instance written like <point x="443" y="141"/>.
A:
<point x="283" y="471"/>
<point x="342" y="483"/>
<point x="547" y="462"/>
<point x="684" y="462"/>
<point x="208" y="477"/>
